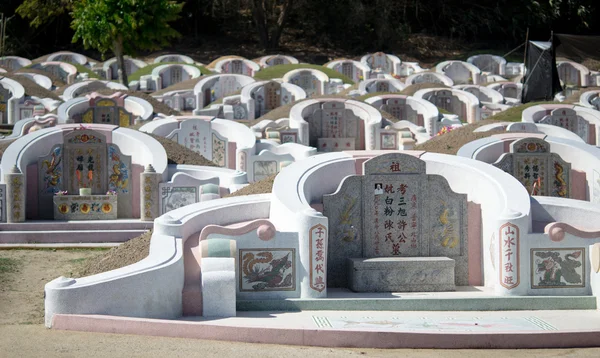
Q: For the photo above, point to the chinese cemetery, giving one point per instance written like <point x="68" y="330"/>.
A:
<point x="389" y="186"/>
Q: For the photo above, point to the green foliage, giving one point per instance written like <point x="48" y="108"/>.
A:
<point x="280" y="70"/>
<point x="83" y="69"/>
<point x="43" y="11"/>
<point x="134" y="24"/>
<point x="148" y="69"/>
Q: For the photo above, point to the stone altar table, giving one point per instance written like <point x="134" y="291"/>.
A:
<point x="85" y="207"/>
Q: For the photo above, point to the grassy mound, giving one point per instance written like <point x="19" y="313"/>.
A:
<point x="214" y="63"/>
<point x="123" y="255"/>
<point x="514" y="114"/>
<point x="280" y="70"/>
<point x="264" y="186"/>
<point x="412" y="89"/>
<point x="148" y="70"/>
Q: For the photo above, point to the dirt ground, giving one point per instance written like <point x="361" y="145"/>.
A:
<point x="23" y="274"/>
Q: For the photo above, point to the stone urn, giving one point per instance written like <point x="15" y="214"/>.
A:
<point x="85" y="191"/>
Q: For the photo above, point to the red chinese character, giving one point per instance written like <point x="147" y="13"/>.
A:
<point x="319" y="256"/>
<point x="509" y="241"/>
<point x="508" y="280"/>
<point x="319" y="244"/>
<point x="508" y="267"/>
<point x="320" y="232"/>
<point x="403" y="188"/>
<point x="389" y="189"/>
<point x="508" y="254"/>
<point x="319" y="280"/>
<point x="318" y="268"/>
<point x="395" y="167"/>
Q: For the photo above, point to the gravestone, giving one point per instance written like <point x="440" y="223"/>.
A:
<point x="567" y="118"/>
<point x="308" y="82"/>
<point x="460" y="74"/>
<point x="379" y="60"/>
<point x="530" y="161"/>
<point x="194" y="134"/>
<point x="568" y="74"/>
<point x="396" y="211"/>
<point x="334" y="128"/>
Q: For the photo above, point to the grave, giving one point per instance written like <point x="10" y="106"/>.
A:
<point x="382" y="63"/>
<point x="109" y="69"/>
<point x="396" y="229"/>
<point x="354" y="70"/>
<point x="237" y="66"/>
<point x="461" y="73"/>
<point x="117" y="109"/>
<point x="537" y="168"/>
<point x="274" y="60"/>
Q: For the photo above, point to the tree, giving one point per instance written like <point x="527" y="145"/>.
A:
<point x="270" y="17"/>
<point x="124" y="26"/>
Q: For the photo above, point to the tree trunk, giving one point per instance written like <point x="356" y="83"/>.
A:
<point x="258" y="13"/>
<point x="283" y="15"/>
<point x="118" y="50"/>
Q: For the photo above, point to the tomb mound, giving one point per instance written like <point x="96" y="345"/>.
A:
<point x="57" y="82"/>
<point x="412" y="89"/>
<point x="148" y="70"/>
<point x="178" y="154"/>
<point x="123" y="255"/>
<point x="214" y="63"/>
<point x="157" y="105"/>
<point x="183" y="85"/>
<point x="32" y="88"/>
<point x="452" y="141"/>
<point x="280" y="70"/>
<point x="264" y="186"/>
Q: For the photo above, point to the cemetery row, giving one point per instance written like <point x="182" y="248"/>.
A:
<point x="352" y="207"/>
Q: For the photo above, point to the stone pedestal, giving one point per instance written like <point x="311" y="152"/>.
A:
<point x="15" y="196"/>
<point x="85" y="207"/>
<point x="149" y="180"/>
<point x="401" y="274"/>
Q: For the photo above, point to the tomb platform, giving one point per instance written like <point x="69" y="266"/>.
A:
<point x="401" y="274"/>
<point x="85" y="207"/>
<point x="76" y="231"/>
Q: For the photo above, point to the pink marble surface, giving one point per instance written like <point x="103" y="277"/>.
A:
<point x="578" y="185"/>
<point x="474" y="244"/>
<point x="556" y="231"/>
<point x="305" y="335"/>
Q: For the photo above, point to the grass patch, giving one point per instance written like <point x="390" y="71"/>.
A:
<point x="280" y="70"/>
<point x="83" y="69"/>
<point x="148" y="70"/>
<point x="514" y="114"/>
<point x="8" y="265"/>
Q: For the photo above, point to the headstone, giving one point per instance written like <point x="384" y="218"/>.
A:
<point x="400" y="212"/>
<point x="194" y="134"/>
<point x="15" y="199"/>
<point x="460" y="74"/>
<point x="540" y="171"/>
<point x="85" y="161"/>
<point x="567" y="118"/>
<point x="51" y="180"/>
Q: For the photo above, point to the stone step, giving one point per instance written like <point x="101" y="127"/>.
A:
<point x="68" y="236"/>
<point x="420" y="303"/>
